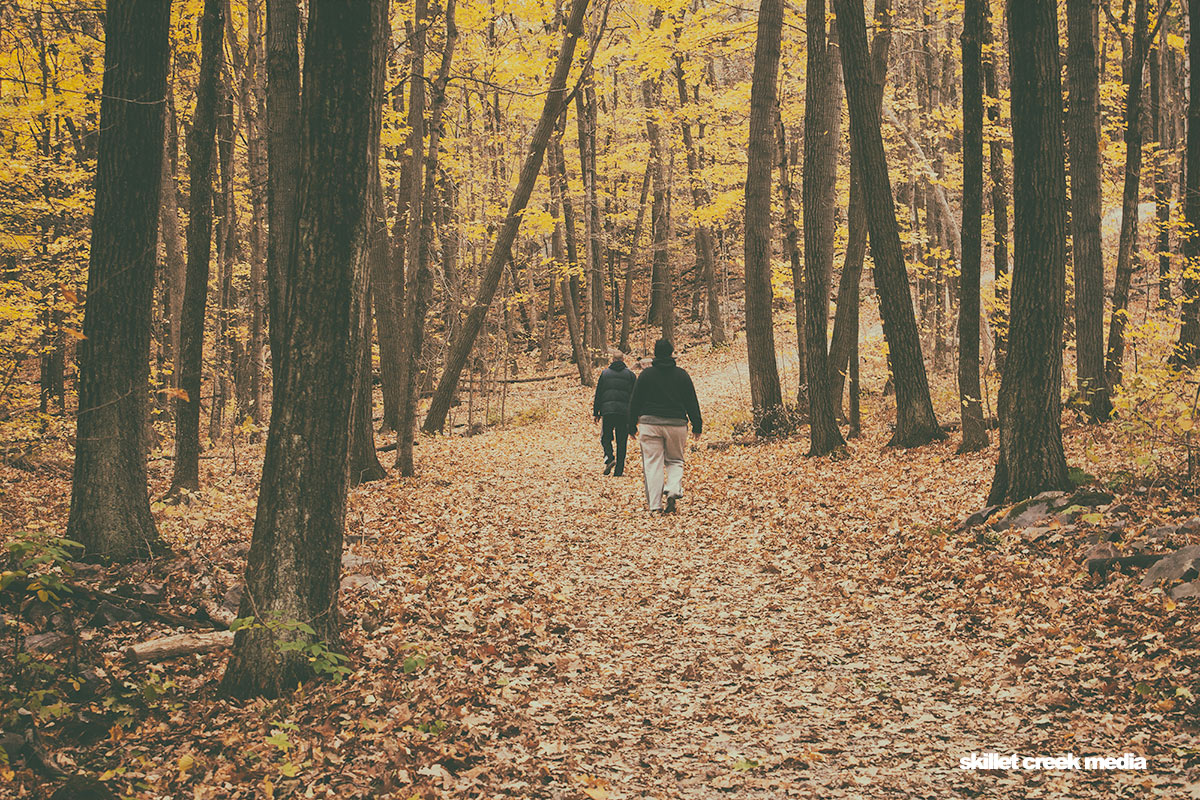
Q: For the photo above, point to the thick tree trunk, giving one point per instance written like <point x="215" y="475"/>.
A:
<point x="844" y="343"/>
<point x="916" y="423"/>
<point x="822" y="135"/>
<point x="765" y="393"/>
<point x="706" y="264"/>
<point x="1129" y="197"/>
<point x="456" y="359"/>
<point x="1083" y="127"/>
<point x="1187" y="349"/>
<point x="201" y="146"/>
<point x="969" y="393"/>
<point x="1031" y="451"/>
<point x="110" y="508"/>
<point x="295" y="555"/>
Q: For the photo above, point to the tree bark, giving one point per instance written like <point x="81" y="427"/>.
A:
<point x="916" y="423"/>
<point x="1031" y="451"/>
<point x="999" y="191"/>
<point x="662" y="307"/>
<point x="791" y="241"/>
<point x="561" y="259"/>
<point x="201" y="146"/>
<point x="844" y="344"/>
<point x="283" y="157"/>
<point x="1162" y="187"/>
<point x="765" y="393"/>
<point x="1083" y="127"/>
<point x="631" y="260"/>
<point x="417" y="299"/>
<point x="700" y="198"/>
<point x="822" y="117"/>
<point x="110" y="508"/>
<point x="295" y="554"/>
<point x="970" y="396"/>
<point x="456" y="359"/>
<point x="1129" y="198"/>
<point x="1187" y="349"/>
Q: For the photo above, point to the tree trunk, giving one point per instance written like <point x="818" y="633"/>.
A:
<point x="582" y="362"/>
<point x="845" y="322"/>
<point x="295" y="554"/>
<point x="765" y="392"/>
<point x="456" y="359"/>
<point x="822" y="135"/>
<point x="999" y="188"/>
<point x="417" y="299"/>
<point x="662" y="309"/>
<point x="1187" y="349"/>
<point x="970" y="396"/>
<point x="283" y="157"/>
<point x="627" y="298"/>
<point x="706" y="264"/>
<point x="176" y="262"/>
<point x="1162" y="187"/>
<point x="1083" y="127"/>
<point x="1129" y="197"/>
<point x="916" y="423"/>
<point x="201" y="146"/>
<point x="110" y="508"/>
<point x="791" y="241"/>
<point x="1031" y="451"/>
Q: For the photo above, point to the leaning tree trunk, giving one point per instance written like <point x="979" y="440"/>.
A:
<point x="916" y="423"/>
<point x="969" y="392"/>
<point x="456" y="359"/>
<point x="1031" y="451"/>
<point x="201" y="145"/>
<point x="1187" y="349"/>
<point x="1129" y="198"/>
<point x="110" y="508"/>
<point x="844" y="344"/>
<point x="1083" y="128"/>
<point x="293" y="568"/>
<point x="822" y="115"/>
<point x="766" y="395"/>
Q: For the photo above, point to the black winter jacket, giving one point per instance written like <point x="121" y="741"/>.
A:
<point x="613" y="390"/>
<point x="665" y="390"/>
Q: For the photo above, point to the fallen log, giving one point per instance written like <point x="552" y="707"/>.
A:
<point x="182" y="644"/>
<point x="142" y="607"/>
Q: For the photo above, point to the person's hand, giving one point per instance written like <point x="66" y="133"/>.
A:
<point x="595" y="420"/>
<point x="633" y="436"/>
<point x="695" y="436"/>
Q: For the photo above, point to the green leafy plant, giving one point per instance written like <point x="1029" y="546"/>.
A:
<point x="294" y="636"/>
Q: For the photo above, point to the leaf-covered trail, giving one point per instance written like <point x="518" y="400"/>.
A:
<point x="771" y="639"/>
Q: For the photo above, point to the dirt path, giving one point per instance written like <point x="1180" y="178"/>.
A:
<point x="760" y="643"/>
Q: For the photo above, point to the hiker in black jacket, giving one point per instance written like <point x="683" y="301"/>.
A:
<point x="663" y="402"/>
<point x="611" y="404"/>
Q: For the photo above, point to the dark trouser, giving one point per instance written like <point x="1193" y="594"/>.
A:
<point x="617" y="424"/>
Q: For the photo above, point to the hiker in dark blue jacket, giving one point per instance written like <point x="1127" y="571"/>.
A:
<point x="611" y="404"/>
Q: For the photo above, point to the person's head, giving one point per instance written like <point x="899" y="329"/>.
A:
<point x="616" y="355"/>
<point x="663" y="348"/>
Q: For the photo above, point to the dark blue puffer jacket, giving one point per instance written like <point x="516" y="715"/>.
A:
<point x="613" y="390"/>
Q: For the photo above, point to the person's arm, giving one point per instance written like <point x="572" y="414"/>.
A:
<point x="596" y="397"/>
<point x="693" y="406"/>
<point x="635" y="406"/>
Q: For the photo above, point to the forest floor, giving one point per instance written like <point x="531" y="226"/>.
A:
<point x="519" y="626"/>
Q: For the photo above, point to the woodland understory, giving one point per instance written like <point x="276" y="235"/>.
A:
<point x="516" y="625"/>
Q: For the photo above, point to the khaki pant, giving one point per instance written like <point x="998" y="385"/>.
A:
<point x="663" y="447"/>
